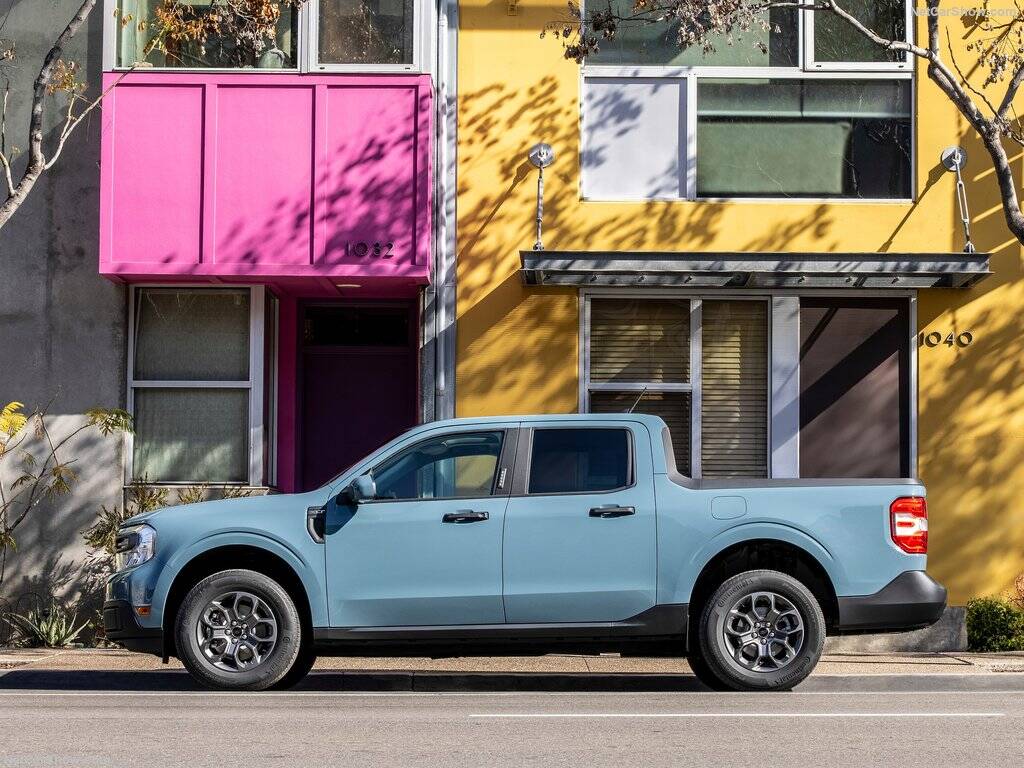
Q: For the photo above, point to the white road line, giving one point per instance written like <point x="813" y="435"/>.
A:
<point x="602" y="715"/>
<point x="484" y="694"/>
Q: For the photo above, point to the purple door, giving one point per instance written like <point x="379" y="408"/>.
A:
<point x="358" y="384"/>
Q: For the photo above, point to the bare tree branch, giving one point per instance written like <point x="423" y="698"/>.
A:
<point x="36" y="157"/>
<point x="698" y="20"/>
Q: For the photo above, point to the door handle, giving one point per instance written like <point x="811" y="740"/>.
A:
<point x="612" y="510"/>
<point x="465" y="516"/>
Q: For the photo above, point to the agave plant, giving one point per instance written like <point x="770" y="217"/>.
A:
<point x="49" y="626"/>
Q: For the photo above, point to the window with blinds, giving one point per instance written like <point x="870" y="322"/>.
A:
<point x="734" y="389"/>
<point x="641" y="349"/>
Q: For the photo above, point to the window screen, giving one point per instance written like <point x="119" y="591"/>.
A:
<point x="366" y="31"/>
<point x="803" y="138"/>
<point x="836" y="41"/>
<point x="198" y="429"/>
<point x="140" y="38"/>
<point x="768" y="43"/>
<point x="579" y="460"/>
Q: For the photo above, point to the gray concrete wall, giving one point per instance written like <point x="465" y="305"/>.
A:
<point x="62" y="326"/>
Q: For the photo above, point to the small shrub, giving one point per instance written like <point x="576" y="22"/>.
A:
<point x="50" y="626"/>
<point x="994" y="624"/>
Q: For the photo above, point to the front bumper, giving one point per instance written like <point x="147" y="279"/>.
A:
<point x="121" y="625"/>
<point x="912" y="600"/>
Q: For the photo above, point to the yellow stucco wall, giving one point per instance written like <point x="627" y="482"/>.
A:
<point x="517" y="347"/>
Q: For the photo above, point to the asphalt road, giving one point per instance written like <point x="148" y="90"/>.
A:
<point x="83" y="728"/>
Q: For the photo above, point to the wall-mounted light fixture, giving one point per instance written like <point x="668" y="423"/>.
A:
<point x="954" y="159"/>
<point x="541" y="156"/>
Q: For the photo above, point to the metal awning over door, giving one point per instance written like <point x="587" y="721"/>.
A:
<point x="753" y="270"/>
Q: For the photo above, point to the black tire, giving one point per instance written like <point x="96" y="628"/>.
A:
<point x="303" y="664"/>
<point x="738" y="660"/>
<point x="280" y="656"/>
<point x="701" y="670"/>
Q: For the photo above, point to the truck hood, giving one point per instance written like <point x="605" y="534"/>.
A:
<point x="205" y="514"/>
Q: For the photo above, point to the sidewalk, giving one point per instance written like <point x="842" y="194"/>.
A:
<point x="114" y="660"/>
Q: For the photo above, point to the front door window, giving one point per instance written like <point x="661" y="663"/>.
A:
<point x="461" y="465"/>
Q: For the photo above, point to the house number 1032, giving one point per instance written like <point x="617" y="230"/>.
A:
<point x="935" y="338"/>
<point x="362" y="249"/>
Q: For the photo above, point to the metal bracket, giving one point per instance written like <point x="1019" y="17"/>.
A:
<point x="541" y="156"/>
<point x="954" y="159"/>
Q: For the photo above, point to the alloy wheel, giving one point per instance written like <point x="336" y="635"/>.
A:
<point x="236" y="631"/>
<point x="763" y="632"/>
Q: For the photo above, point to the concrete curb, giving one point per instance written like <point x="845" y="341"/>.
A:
<point x="511" y="682"/>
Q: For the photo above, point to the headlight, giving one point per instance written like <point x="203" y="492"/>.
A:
<point x="134" y="546"/>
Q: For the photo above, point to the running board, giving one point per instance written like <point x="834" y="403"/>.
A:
<point x="659" y="621"/>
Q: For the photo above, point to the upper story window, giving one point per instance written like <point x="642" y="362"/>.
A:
<point x="803" y="138"/>
<point x="306" y="35"/>
<point x="206" y="34"/>
<point x="366" y="31"/>
<point x="805" y="107"/>
<point x="831" y="44"/>
<point x="655" y="44"/>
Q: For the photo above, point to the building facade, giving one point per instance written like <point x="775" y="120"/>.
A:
<point x="760" y="244"/>
<point x="267" y="230"/>
<point x="259" y="259"/>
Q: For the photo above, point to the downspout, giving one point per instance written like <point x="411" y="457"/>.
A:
<point x="444" y="265"/>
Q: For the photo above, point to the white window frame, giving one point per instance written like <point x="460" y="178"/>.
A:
<point x="307" y="47"/>
<point x="783" y="343"/>
<point x="812" y="65"/>
<point x="804" y="71"/>
<point x="257" y="303"/>
<point x="423" y="43"/>
<point x="692" y="75"/>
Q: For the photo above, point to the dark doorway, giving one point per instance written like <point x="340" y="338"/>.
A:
<point x="854" y="387"/>
<point x="358" y="374"/>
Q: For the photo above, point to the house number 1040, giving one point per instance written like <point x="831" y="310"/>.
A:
<point x="935" y="338"/>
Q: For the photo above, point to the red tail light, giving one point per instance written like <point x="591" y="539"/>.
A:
<point x="908" y="517"/>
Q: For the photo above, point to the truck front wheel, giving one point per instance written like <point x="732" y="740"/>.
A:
<point x="760" y="631"/>
<point x="239" y="630"/>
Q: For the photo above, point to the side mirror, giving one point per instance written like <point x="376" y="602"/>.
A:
<point x="361" y="489"/>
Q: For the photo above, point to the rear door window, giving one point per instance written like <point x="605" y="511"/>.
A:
<point x="580" y="460"/>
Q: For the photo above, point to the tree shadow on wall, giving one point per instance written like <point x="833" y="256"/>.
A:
<point x="517" y="347"/>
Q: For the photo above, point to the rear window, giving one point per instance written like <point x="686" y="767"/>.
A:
<point x="579" y="460"/>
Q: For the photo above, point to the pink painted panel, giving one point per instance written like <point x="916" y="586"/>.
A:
<point x="263" y="176"/>
<point x="267" y="177"/>
<point x="159" y="161"/>
<point x="368" y="215"/>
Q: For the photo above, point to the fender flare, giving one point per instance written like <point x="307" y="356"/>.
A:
<point x="312" y="583"/>
<point x="759" y="531"/>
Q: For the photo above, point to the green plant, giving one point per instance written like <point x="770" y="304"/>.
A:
<point x="995" y="624"/>
<point x="51" y="626"/>
<point x="140" y="497"/>
<point x="41" y="469"/>
<point x="192" y="494"/>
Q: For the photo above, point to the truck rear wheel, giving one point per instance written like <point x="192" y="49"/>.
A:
<point x="760" y="631"/>
<point x="239" y="630"/>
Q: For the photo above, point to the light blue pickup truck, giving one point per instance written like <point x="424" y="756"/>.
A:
<point x="525" y="535"/>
